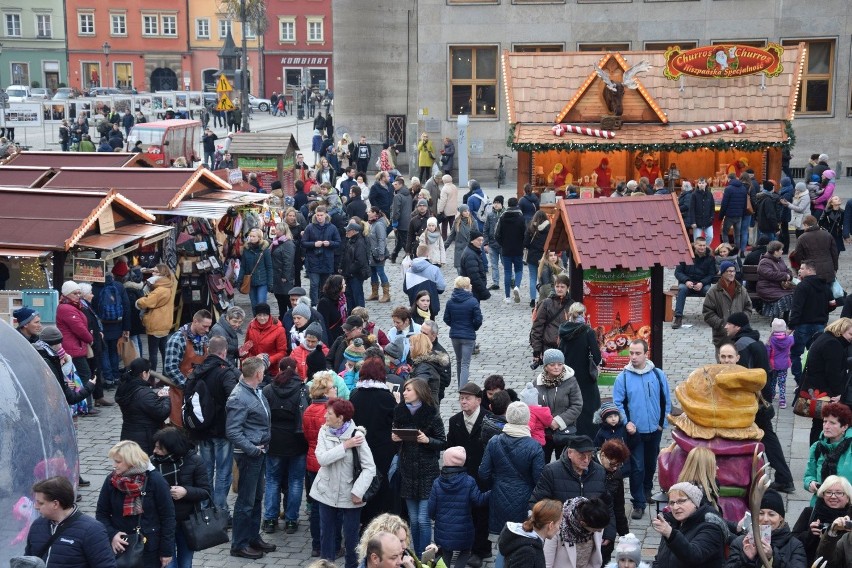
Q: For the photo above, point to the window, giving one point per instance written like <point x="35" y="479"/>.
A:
<point x="123" y="75"/>
<point x="169" y="25"/>
<point x="315" y="30"/>
<point x="85" y="23"/>
<point x="202" y="28"/>
<point x="604" y="46"/>
<point x="118" y="25"/>
<point x="664" y="45"/>
<point x="13" y="25"/>
<point x="248" y="30"/>
<point x="748" y="42"/>
<point x="20" y="73"/>
<point x="150" y="25"/>
<point x="287" y="30"/>
<point x="44" y="27"/>
<point x="473" y="1"/>
<point x="816" y="87"/>
<point x="224" y="28"/>
<point x="473" y="81"/>
<point x="544" y="48"/>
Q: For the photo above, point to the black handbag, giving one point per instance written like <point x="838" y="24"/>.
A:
<point x="356" y="473"/>
<point x="205" y="527"/>
<point x="134" y="550"/>
<point x="562" y="437"/>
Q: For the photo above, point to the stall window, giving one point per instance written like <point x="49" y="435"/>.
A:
<point x="202" y="28"/>
<point x="287" y="29"/>
<point x="85" y="23"/>
<point x="539" y="48"/>
<point x="473" y="81"/>
<point x="664" y="45"/>
<point x="44" y="26"/>
<point x="118" y="24"/>
<point x="13" y="25"/>
<point x="603" y="46"/>
<point x="815" y="90"/>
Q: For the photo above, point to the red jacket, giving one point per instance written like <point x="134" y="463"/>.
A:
<point x="312" y="420"/>
<point x="300" y="354"/>
<point x="74" y="325"/>
<point x="269" y="339"/>
<point x="540" y="419"/>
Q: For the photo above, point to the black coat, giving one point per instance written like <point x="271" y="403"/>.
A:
<point x="810" y="302"/>
<point x="615" y="489"/>
<point x="192" y="476"/>
<point x="327" y="307"/>
<point x="221" y="377"/>
<point x="701" y="209"/>
<point x="802" y="529"/>
<point x="142" y="411"/>
<point x="357" y="207"/>
<point x="419" y="463"/>
<point x="374" y="410"/>
<point x="580" y="345"/>
<point x="356" y="261"/>
<point x="457" y="435"/>
<point x="284" y="412"/>
<point x="434" y="368"/>
<point x="55" y="365"/>
<point x="702" y="269"/>
<point x="521" y="551"/>
<point x="283" y="266"/>
<point x="473" y="267"/>
<point x="534" y="243"/>
<point x="826" y="366"/>
<point x="697" y="542"/>
<point x="509" y="233"/>
<point x="787" y="551"/>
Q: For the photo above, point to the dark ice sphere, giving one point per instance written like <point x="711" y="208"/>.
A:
<point x="37" y="438"/>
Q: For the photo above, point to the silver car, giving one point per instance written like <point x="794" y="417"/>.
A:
<point x="262" y="105"/>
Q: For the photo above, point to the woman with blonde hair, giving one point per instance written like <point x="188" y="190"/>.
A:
<point x="549" y="268"/>
<point x="256" y="265"/>
<point x="464" y="316"/>
<point x="159" y="307"/>
<point x="700" y="469"/>
<point x="431" y="237"/>
<point x="579" y="345"/>
<point x="135" y="497"/>
<point x="428" y="364"/>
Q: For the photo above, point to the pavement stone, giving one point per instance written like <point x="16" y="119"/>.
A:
<point x="504" y="350"/>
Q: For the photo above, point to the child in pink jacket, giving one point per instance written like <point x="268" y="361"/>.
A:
<point x="540" y="416"/>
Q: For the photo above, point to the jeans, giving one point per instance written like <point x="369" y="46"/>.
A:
<point x="257" y="295"/>
<point x="421" y="527"/>
<point x="208" y="159"/>
<point x="330" y="518"/>
<point x="801" y="336"/>
<point x="137" y="341"/>
<point x="355" y="292"/>
<point x="494" y="259"/>
<point x="744" y="227"/>
<point x="512" y="265"/>
<point x="218" y="456"/>
<point x="276" y="467"/>
<point x="377" y="273"/>
<point x="182" y="557"/>
<point x="110" y="361"/>
<point x="314" y="517"/>
<point x="770" y="236"/>
<point x="463" y="349"/>
<point x="643" y="465"/>
<point x="707" y="233"/>
<point x="317" y="281"/>
<point x="533" y="272"/>
<point x="682" y="293"/>
<point x="156" y="344"/>
<point x="247" y="508"/>
<point x="729" y="222"/>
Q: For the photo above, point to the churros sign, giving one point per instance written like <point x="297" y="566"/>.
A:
<point x="724" y="61"/>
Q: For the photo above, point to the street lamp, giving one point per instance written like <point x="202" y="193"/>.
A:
<point x="1" y="68"/>
<point x="106" y="47"/>
<point x="243" y="64"/>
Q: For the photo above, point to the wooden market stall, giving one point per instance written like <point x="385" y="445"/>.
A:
<point x="569" y="112"/>
<point x="80" y="160"/>
<point x="271" y="156"/>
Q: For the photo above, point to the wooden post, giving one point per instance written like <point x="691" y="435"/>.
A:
<point x="525" y="172"/>
<point x="658" y="308"/>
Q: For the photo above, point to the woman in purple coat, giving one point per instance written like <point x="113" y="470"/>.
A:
<point x="774" y="282"/>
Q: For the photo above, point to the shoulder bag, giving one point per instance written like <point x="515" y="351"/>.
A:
<point x="356" y="473"/>
<point x="134" y="550"/>
<point x="205" y="527"/>
<point x="245" y="285"/>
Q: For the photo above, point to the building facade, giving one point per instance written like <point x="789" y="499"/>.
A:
<point x="33" y="38"/>
<point x="433" y="60"/>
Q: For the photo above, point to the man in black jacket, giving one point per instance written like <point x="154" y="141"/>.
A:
<point x="702" y="207"/>
<point x="464" y="430"/>
<point x="473" y="267"/>
<point x="812" y="300"/>
<point x="217" y="452"/>
<point x="509" y="234"/>
<point x="417" y="225"/>
<point x="693" y="279"/>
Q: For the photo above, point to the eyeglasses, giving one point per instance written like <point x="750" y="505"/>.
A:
<point x="679" y="502"/>
<point x="834" y="494"/>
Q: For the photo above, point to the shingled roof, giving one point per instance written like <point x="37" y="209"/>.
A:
<point x="628" y="232"/>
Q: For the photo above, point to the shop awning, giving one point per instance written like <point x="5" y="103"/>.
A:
<point x="124" y="235"/>
<point x="28" y="253"/>
<point x="212" y="205"/>
<point x="79" y="159"/>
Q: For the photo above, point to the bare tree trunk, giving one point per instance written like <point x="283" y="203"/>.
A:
<point x="261" y="67"/>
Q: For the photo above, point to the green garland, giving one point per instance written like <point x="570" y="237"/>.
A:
<point x="678" y="147"/>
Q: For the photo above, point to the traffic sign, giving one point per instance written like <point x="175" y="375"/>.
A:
<point x="225" y="104"/>
<point x="223" y="86"/>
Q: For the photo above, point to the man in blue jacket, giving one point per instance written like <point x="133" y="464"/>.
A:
<point x="641" y="392"/>
<point x="319" y="240"/>
<point x="733" y="208"/>
<point x="80" y="541"/>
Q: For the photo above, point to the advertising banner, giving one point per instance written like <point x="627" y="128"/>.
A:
<point x="22" y="115"/>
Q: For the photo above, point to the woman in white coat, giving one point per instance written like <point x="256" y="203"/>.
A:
<point x="578" y="543"/>
<point x="799" y="207"/>
<point x="337" y="492"/>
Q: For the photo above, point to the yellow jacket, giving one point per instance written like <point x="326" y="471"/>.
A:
<point x="159" y="305"/>
<point x="423" y="149"/>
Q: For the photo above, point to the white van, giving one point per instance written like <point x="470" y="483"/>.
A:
<point x="18" y="93"/>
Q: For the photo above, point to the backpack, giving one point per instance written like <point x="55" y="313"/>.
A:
<point x="110" y="305"/>
<point x="199" y="408"/>
<point x="485" y="208"/>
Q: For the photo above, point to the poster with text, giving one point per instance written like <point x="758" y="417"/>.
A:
<point x="619" y="310"/>
<point x="265" y="167"/>
<point x="22" y="115"/>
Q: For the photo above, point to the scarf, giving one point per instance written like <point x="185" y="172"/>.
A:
<point x="414" y="407"/>
<point x="552" y="382"/>
<point x="517" y="430"/>
<point x="341" y="306"/>
<point x="339" y="431"/>
<point x="431" y="238"/>
<point x="131" y="483"/>
<point x="280" y="239"/>
<point x="570" y="530"/>
<point x="729" y="287"/>
<point x="372" y="384"/>
<point x="423" y="313"/>
<point x="304" y="343"/>
<point x="76" y="303"/>
<point x="169" y="466"/>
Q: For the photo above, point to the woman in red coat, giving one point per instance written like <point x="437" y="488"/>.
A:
<point x="74" y="325"/>
<point x="265" y="335"/>
<point x="322" y="390"/>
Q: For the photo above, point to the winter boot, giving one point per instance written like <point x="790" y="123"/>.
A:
<point x="375" y="294"/>
<point x="385" y="294"/>
<point x="678" y="322"/>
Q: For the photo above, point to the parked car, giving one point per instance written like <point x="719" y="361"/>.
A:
<point x="262" y="105"/>
<point x="18" y="93"/>
<point x="100" y="91"/>
<point x="40" y="93"/>
<point x="63" y="93"/>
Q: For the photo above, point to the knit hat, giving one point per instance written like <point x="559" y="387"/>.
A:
<point x="355" y="351"/>
<point x="518" y="413"/>
<point x="779" y="326"/>
<point x="354" y="225"/>
<point x="628" y="547"/>
<point x="24" y="315"/>
<point x="455" y="456"/>
<point x="739" y="319"/>
<point x="772" y="500"/>
<point x="692" y="492"/>
<point x="51" y="335"/>
<point x="470" y="388"/>
<point x="351" y="323"/>
<point x="70" y="287"/>
<point x="553" y="356"/>
<point x="605" y="410"/>
<point x="475" y="234"/>
<point x="394" y="351"/>
<point x="297" y="291"/>
<point x="801" y="187"/>
<point x="120" y="269"/>
<point x="422" y="202"/>
<point x="726" y="264"/>
<point x="823" y="158"/>
<point x="829" y="174"/>
<point x="315" y="330"/>
<point x="302" y="310"/>
<point x="262" y="308"/>
<point x="529" y="395"/>
<point x="463" y="207"/>
<point x="499" y="199"/>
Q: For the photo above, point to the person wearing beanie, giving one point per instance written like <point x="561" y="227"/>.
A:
<point x="265" y="335"/>
<point x="559" y="390"/>
<point x="353" y="355"/>
<point x="472" y="265"/>
<point x="784" y="548"/>
<point x="490" y="244"/>
<point x="612" y="424"/>
<point x="72" y="321"/>
<point x="475" y="201"/>
<point x="310" y="353"/>
<point x="628" y="553"/>
<point x="780" y="344"/>
<point x="28" y="323"/>
<point x="724" y="298"/>
<point x="459" y="235"/>
<point x="454" y="494"/>
<point x="693" y="535"/>
<point x="416" y="226"/>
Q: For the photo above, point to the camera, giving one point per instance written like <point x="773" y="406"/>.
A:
<point x="847" y="525"/>
<point x="536" y="363"/>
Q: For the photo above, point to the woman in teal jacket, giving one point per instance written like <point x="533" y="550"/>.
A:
<point x="830" y="454"/>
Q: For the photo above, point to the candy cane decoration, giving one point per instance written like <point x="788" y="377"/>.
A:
<point x="560" y="129"/>
<point x="736" y="126"/>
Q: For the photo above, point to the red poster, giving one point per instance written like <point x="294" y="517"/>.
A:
<point x="618" y="304"/>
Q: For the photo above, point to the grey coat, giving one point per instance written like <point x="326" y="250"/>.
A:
<point x="248" y="424"/>
<point x="377" y="241"/>
<point x="564" y="400"/>
<point x="223" y="329"/>
<point x="334" y="485"/>
<point x="283" y="266"/>
<point x="448" y="157"/>
<point x="401" y="209"/>
<point x="460" y="235"/>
